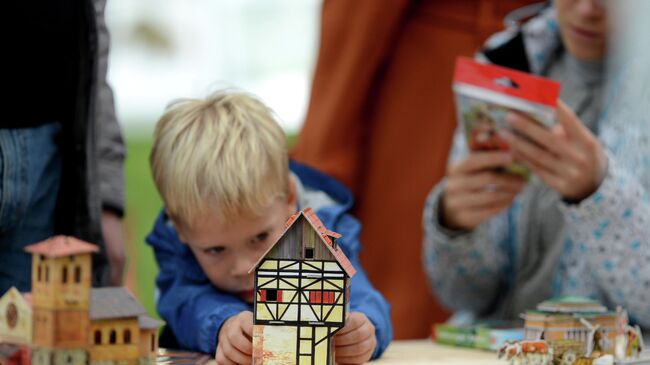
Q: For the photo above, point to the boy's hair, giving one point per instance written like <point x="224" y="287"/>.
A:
<point x="225" y="154"/>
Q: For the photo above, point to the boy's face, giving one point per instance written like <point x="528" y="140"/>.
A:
<point x="583" y="27"/>
<point x="226" y="252"/>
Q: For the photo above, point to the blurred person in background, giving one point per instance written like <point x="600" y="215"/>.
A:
<point x="496" y="245"/>
<point x="380" y="120"/>
<point x="61" y="149"/>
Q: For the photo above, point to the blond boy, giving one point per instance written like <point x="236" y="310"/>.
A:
<point x="222" y="169"/>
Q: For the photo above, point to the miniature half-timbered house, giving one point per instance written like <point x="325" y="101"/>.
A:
<point x="302" y="294"/>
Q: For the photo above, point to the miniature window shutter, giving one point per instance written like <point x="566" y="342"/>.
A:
<point x="315" y="297"/>
<point x="328" y="297"/>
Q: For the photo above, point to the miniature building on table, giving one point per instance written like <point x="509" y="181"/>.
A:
<point x="121" y="330"/>
<point x="302" y="294"/>
<point x="15" y="318"/>
<point x="573" y="318"/>
<point x="74" y="324"/>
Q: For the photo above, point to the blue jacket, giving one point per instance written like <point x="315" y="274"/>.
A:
<point x="195" y="310"/>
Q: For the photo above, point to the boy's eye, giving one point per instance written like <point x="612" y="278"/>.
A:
<point x="261" y="237"/>
<point x="213" y="250"/>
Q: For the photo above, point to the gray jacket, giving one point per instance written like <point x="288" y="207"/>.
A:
<point x="543" y="246"/>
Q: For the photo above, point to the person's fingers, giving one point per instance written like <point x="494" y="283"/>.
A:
<point x="472" y="218"/>
<point x="221" y="358"/>
<point x="357" y="336"/>
<point x="487" y="180"/>
<point x="552" y="139"/>
<point x="557" y="182"/>
<point x="234" y="355"/>
<point x="242" y="343"/>
<point x="479" y="200"/>
<point x="571" y="123"/>
<point x="527" y="151"/>
<point x="357" y="353"/>
<point x="353" y="322"/>
<point x="246" y="323"/>
<point x="481" y="161"/>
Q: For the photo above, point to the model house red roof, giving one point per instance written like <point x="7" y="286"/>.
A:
<point x="324" y="234"/>
<point x="61" y="246"/>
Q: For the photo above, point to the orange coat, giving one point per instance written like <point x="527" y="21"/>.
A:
<point x="381" y="118"/>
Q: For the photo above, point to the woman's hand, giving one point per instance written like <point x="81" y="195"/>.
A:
<point x="476" y="190"/>
<point x="567" y="157"/>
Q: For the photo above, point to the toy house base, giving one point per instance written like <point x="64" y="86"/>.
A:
<point x="277" y="345"/>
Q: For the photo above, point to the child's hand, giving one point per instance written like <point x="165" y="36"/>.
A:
<point x="235" y="340"/>
<point x="355" y="343"/>
<point x="476" y="192"/>
<point x="568" y="157"/>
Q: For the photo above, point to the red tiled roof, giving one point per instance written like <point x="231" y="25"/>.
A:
<point x="61" y="246"/>
<point x="313" y="219"/>
<point x="324" y="233"/>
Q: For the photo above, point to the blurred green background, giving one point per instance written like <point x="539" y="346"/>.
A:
<point x="143" y="204"/>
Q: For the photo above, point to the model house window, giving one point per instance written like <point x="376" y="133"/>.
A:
<point x="40" y="271"/>
<point x="309" y="252"/>
<point x="98" y="337"/>
<point x="77" y="274"/>
<point x="324" y="297"/>
<point x="64" y="274"/>
<point x="112" y="338"/>
<point x="153" y="342"/>
<point x="47" y="274"/>
<point x="127" y="336"/>
<point x="270" y="295"/>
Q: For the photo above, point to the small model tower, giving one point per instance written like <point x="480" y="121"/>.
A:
<point x="61" y="272"/>
<point x="302" y="294"/>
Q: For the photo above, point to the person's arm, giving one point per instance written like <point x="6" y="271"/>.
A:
<point x="611" y="235"/>
<point x="610" y="229"/>
<point x="364" y="297"/>
<point x="111" y="153"/>
<point x="191" y="306"/>
<point x="464" y="266"/>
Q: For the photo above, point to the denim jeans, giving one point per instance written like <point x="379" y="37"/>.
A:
<point x="30" y="172"/>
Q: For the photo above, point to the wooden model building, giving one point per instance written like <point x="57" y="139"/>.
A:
<point x="15" y="328"/>
<point x="15" y="318"/>
<point x="302" y="294"/>
<point x="576" y="331"/>
<point x="73" y="323"/>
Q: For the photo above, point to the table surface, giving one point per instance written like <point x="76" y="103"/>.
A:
<point x="428" y="352"/>
<point x="399" y="352"/>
